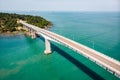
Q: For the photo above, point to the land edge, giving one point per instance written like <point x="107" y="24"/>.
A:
<point x="20" y="30"/>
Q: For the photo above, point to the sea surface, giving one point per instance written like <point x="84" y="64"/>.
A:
<point x="23" y="58"/>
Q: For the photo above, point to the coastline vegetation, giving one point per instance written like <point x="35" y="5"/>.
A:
<point x="8" y="22"/>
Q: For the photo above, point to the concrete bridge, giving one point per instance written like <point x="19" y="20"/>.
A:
<point x="104" y="61"/>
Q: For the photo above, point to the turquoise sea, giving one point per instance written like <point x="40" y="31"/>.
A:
<point x="23" y="58"/>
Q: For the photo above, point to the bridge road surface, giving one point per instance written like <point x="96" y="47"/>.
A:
<point x="108" y="63"/>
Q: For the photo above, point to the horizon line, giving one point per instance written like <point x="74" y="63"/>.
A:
<point x="51" y="11"/>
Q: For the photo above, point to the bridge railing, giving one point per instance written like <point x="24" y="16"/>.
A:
<point x="47" y="33"/>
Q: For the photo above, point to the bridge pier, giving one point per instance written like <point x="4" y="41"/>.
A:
<point x="25" y="28"/>
<point x="47" y="47"/>
<point x="33" y="34"/>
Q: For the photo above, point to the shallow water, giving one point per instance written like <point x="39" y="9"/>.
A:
<point x="23" y="58"/>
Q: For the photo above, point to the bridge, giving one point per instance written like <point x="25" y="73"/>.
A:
<point x="102" y="60"/>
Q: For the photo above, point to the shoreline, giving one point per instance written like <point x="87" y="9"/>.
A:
<point x="11" y="34"/>
<point x="20" y="31"/>
<point x="9" y="23"/>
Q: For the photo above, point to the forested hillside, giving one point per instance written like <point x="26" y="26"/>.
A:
<point x="8" y="22"/>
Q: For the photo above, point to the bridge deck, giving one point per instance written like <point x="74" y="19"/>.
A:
<point x="105" y="61"/>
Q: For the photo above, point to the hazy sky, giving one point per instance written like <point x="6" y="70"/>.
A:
<point x="60" y="5"/>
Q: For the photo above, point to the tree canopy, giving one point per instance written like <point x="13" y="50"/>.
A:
<point x="8" y="22"/>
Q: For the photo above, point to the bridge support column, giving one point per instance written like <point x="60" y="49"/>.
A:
<point x="25" y="28"/>
<point x="47" y="47"/>
<point x="33" y="35"/>
<point x="28" y="32"/>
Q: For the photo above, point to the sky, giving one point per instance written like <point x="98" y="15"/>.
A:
<point x="59" y="5"/>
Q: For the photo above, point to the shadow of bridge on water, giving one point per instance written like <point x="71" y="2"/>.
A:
<point x="74" y="61"/>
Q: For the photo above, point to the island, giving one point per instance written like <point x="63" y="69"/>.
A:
<point x="9" y="22"/>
